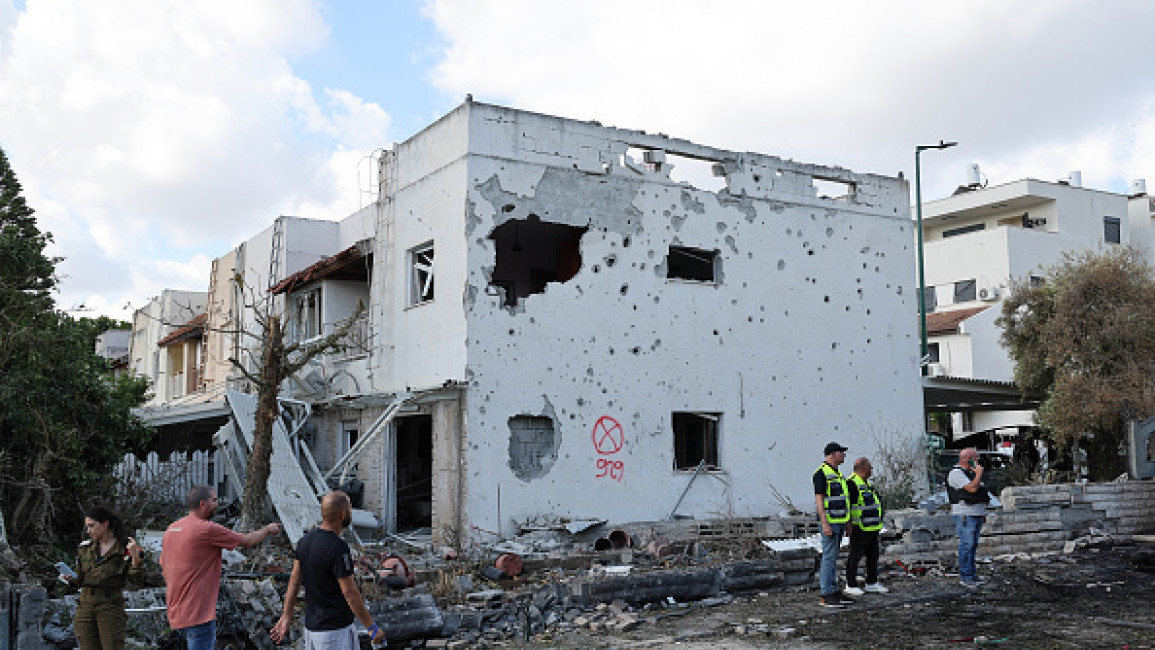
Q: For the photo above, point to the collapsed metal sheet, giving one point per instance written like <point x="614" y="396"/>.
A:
<point x="290" y="492"/>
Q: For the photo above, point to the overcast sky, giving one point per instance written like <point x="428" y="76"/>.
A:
<point x="152" y="136"/>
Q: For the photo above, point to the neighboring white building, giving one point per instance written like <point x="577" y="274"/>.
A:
<point x="163" y="315"/>
<point x="979" y="239"/>
<point x="573" y="332"/>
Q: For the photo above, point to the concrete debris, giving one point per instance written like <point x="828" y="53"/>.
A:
<point x="545" y="582"/>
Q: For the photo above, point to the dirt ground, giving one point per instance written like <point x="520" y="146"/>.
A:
<point x="1083" y="600"/>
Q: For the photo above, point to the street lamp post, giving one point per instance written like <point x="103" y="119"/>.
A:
<point x="918" y="149"/>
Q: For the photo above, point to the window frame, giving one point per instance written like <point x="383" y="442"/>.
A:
<point x="710" y="448"/>
<point x="308" y="320"/>
<point x="966" y="290"/>
<point x="422" y="273"/>
<point x="692" y="252"/>
<point x="1114" y="224"/>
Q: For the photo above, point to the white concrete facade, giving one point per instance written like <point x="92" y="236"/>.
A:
<point x="981" y="236"/>
<point x="802" y="336"/>
<point x="161" y="316"/>
<point x="580" y="329"/>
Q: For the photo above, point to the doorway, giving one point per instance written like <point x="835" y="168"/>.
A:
<point x="413" y="472"/>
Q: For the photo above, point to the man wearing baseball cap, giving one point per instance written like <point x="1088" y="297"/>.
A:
<point x="831" y="499"/>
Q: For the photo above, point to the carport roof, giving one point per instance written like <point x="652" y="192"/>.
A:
<point x="966" y="394"/>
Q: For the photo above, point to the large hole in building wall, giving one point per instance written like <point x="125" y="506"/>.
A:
<point x="532" y="446"/>
<point x="531" y="253"/>
<point x="830" y="188"/>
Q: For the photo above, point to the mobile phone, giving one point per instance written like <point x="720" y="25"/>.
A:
<point x="65" y="570"/>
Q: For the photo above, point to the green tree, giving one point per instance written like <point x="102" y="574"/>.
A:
<point x="1085" y="340"/>
<point x="64" y="421"/>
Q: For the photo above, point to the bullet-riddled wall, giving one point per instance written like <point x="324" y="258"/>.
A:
<point x="618" y="327"/>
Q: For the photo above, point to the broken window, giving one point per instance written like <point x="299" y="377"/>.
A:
<point x="421" y="274"/>
<point x="684" y="263"/>
<point x="307" y="315"/>
<point x="1112" y="231"/>
<point x="932" y="352"/>
<point x="965" y="291"/>
<point x="695" y="440"/>
<point x="532" y="446"/>
<point x="531" y="253"/>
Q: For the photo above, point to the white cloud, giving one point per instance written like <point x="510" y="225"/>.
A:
<point x="846" y="83"/>
<point x="155" y="127"/>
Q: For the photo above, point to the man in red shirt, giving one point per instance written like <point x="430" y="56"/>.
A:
<point x="191" y="558"/>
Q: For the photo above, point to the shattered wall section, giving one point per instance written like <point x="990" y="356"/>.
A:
<point x="802" y="334"/>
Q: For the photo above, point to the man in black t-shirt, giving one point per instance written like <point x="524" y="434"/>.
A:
<point x="324" y="566"/>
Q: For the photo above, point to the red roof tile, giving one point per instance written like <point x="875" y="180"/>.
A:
<point x="323" y="268"/>
<point x="190" y="329"/>
<point x="947" y="322"/>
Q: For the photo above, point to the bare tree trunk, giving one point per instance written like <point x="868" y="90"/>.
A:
<point x="255" y="505"/>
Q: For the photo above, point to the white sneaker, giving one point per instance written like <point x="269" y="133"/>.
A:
<point x="877" y="588"/>
<point x="852" y="591"/>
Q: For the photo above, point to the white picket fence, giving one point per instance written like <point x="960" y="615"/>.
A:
<point x="168" y="479"/>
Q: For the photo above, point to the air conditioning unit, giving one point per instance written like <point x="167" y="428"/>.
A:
<point x="935" y="370"/>
<point x="988" y="293"/>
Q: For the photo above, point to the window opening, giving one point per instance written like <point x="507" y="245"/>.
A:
<point x="929" y="298"/>
<point x="965" y="291"/>
<point x="1112" y="230"/>
<point x="830" y="188"/>
<point x="531" y="253"/>
<point x="1037" y="281"/>
<point x="350" y="431"/>
<point x="533" y="446"/>
<point x="421" y="274"/>
<point x="695" y="440"/>
<point x="685" y="263"/>
<point x="307" y="315"/>
<point x="933" y="352"/>
<point x="962" y="230"/>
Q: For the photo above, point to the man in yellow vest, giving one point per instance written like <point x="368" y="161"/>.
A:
<point x="865" y="522"/>
<point x="831" y="499"/>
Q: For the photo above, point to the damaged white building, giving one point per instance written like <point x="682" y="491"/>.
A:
<point x="556" y="327"/>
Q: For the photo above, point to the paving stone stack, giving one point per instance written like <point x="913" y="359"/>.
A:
<point x="1034" y="519"/>
<point x="1119" y="508"/>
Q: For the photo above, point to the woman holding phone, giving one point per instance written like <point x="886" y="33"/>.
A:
<point x="105" y="563"/>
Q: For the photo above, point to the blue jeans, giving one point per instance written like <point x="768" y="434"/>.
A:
<point x="828" y="572"/>
<point x="201" y="637"/>
<point x="968" y="528"/>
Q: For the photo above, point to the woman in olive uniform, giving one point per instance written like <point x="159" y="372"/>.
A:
<point x="105" y="562"/>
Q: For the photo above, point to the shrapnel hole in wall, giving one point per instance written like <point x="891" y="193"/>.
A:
<point x="531" y="253"/>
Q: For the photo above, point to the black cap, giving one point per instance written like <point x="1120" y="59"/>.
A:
<point x="833" y="447"/>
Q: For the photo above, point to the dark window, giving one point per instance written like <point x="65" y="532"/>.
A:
<point x="1037" y="281"/>
<point x="962" y="230"/>
<point x="965" y="291"/>
<point x="1112" y="232"/>
<point x="696" y="440"/>
<point x="692" y="264"/>
<point x="932" y="352"/>
<point x="929" y="299"/>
